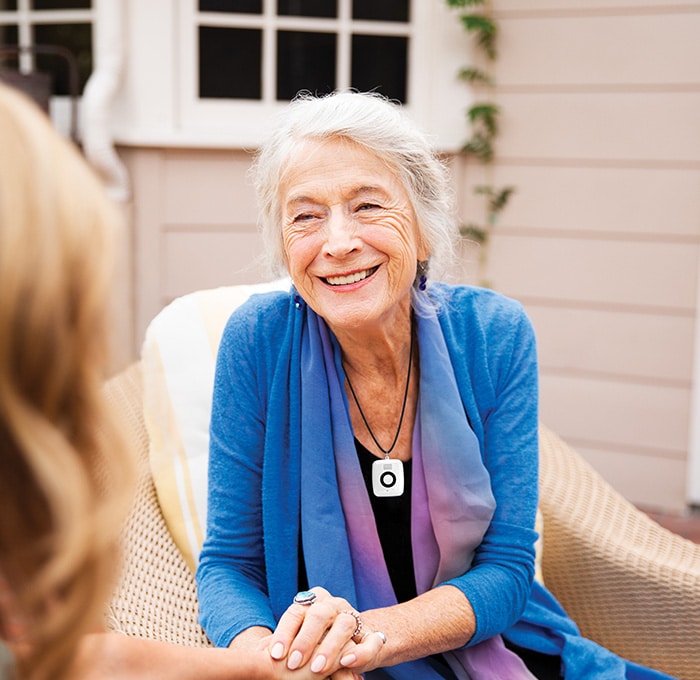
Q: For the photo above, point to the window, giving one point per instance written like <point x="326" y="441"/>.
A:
<point x="56" y="37"/>
<point x="211" y="72"/>
<point x="269" y="51"/>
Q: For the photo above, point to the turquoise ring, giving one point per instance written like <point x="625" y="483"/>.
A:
<point x="305" y="597"/>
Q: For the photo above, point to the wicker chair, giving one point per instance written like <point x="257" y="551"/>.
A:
<point x="629" y="584"/>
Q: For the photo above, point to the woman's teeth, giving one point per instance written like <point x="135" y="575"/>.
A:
<point x="350" y="278"/>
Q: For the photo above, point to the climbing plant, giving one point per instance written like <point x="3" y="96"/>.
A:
<point x="477" y="20"/>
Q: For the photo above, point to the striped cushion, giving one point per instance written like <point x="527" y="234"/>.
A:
<point x="178" y="358"/>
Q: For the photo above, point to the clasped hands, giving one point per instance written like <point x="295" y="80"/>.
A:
<point x="328" y="634"/>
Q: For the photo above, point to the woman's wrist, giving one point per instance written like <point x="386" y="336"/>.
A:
<point x="250" y="637"/>
<point x="439" y="620"/>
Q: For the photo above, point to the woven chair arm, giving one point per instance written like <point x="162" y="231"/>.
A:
<point x="629" y="584"/>
<point x="155" y="596"/>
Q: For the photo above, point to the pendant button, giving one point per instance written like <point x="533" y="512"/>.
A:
<point x="387" y="478"/>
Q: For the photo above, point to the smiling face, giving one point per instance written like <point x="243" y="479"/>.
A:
<point x="350" y="235"/>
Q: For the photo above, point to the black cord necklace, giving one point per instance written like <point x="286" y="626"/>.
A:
<point x="386" y="452"/>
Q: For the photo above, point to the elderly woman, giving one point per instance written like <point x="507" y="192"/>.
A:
<point x="374" y="435"/>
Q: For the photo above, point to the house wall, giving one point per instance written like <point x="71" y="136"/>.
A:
<point x="601" y="104"/>
<point x="194" y="222"/>
<point x="601" y="138"/>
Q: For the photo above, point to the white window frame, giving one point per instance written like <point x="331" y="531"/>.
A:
<point x="160" y="104"/>
<point x="25" y="17"/>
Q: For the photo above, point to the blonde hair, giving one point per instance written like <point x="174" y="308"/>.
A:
<point x="64" y="473"/>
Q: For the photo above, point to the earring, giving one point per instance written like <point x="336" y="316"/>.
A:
<point x="297" y="300"/>
<point x="422" y="271"/>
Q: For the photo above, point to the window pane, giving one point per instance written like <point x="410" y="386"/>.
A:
<point x="230" y="63"/>
<point x="384" y="10"/>
<point x="7" y="5"/>
<point x="9" y="35"/>
<point x="380" y="63"/>
<point x="61" y="4"/>
<point x="77" y="39"/>
<point x="308" y="8"/>
<point x="232" y="6"/>
<point x="305" y="61"/>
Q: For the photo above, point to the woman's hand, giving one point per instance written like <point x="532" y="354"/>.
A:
<point x="111" y="656"/>
<point x="364" y="656"/>
<point x="326" y="633"/>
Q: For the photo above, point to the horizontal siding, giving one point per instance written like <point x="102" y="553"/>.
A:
<point x="642" y="348"/>
<point x="597" y="201"/>
<point x="600" y="136"/>
<point x="649" y="419"/>
<point x="582" y="8"/>
<point x="620" y="50"/>
<point x="644" y="128"/>
<point x="609" y="274"/>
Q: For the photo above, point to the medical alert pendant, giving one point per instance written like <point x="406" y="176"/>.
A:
<point x="387" y="477"/>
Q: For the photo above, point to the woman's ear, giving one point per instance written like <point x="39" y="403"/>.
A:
<point x="423" y="251"/>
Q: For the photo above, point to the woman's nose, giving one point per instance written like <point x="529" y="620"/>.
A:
<point x="341" y="238"/>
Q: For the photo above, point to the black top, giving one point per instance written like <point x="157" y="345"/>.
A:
<point x="392" y="515"/>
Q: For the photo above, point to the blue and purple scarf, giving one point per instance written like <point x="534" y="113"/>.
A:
<point x="451" y="503"/>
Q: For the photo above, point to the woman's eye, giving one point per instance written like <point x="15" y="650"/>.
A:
<point x="303" y="217"/>
<point x="367" y="206"/>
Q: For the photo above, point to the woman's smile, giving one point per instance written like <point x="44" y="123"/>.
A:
<point x="348" y="279"/>
<point x="349" y="233"/>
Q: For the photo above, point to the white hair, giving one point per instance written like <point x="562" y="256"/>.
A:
<point x="383" y="128"/>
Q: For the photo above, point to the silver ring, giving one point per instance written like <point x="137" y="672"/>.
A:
<point x="305" y="597"/>
<point x="382" y="637"/>
<point x="358" y="621"/>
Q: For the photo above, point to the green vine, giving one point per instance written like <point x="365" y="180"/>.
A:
<point x="476" y="19"/>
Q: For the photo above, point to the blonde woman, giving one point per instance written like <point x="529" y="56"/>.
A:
<point x="65" y="477"/>
<point x="57" y="525"/>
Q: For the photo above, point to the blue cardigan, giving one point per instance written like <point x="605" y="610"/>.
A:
<point x="248" y="570"/>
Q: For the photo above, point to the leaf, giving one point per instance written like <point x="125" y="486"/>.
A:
<point x="474" y="75"/>
<point x="478" y="23"/>
<point x="500" y="199"/>
<point x="464" y="3"/>
<point x="483" y="110"/>
<point x="487" y="42"/>
<point x="486" y="114"/>
<point x="473" y="232"/>
<point x="479" y="146"/>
